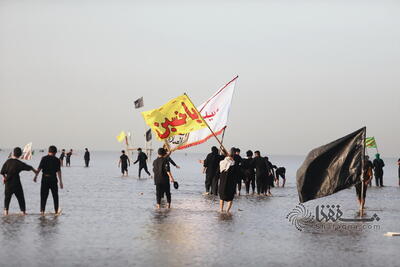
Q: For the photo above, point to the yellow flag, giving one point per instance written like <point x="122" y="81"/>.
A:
<point x="178" y="116"/>
<point x="121" y="136"/>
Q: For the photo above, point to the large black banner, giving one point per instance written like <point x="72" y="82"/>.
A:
<point x="332" y="167"/>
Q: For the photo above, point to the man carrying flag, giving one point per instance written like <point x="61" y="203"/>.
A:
<point x="178" y="116"/>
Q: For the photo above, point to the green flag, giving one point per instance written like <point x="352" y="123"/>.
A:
<point x="370" y="142"/>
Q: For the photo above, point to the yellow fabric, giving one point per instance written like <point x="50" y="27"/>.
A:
<point x="121" y="136"/>
<point x="178" y="116"/>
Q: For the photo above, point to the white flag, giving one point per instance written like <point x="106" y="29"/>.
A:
<point x="215" y="112"/>
<point x="27" y="152"/>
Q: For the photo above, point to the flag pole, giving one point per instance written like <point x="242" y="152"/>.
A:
<point x="219" y="141"/>
<point x="362" y="202"/>
<point x="223" y="135"/>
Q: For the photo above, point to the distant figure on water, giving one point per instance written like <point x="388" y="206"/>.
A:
<point x="51" y="168"/>
<point x="162" y="177"/>
<point x="142" y="159"/>
<point x="124" y="162"/>
<point x="248" y="166"/>
<point x="280" y="172"/>
<point x="68" y="159"/>
<point x="227" y="185"/>
<point x="378" y="170"/>
<point x="62" y="156"/>
<point x="86" y="157"/>
<point x="211" y="169"/>
<point x="368" y="166"/>
<point x="11" y="179"/>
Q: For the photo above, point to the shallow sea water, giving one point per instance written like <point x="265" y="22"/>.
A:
<point x="111" y="221"/>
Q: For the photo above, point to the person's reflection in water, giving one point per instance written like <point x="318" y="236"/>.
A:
<point x="11" y="226"/>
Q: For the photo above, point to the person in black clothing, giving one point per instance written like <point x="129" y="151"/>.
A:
<point x="142" y="159"/>
<point x="238" y="170"/>
<point x="62" y="156"/>
<point x="227" y="185"/>
<point x="170" y="161"/>
<point x="248" y="171"/>
<point x="281" y="172"/>
<point x="124" y="162"/>
<point x="270" y="177"/>
<point x="86" y="157"/>
<point x="51" y="168"/>
<point x="368" y="166"/>
<point x="11" y="179"/>
<point x="162" y="177"/>
<point x="261" y="172"/>
<point x="378" y="170"/>
<point x="68" y="158"/>
<point x="211" y="168"/>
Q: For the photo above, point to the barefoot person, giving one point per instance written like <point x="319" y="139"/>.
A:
<point x="227" y="185"/>
<point x="162" y="177"/>
<point x="280" y="172"/>
<point x="368" y="166"/>
<point x="142" y="159"/>
<point x="51" y="168"/>
<point x="11" y="179"/>
<point x="124" y="162"/>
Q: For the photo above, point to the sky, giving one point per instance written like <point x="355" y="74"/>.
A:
<point x="309" y="72"/>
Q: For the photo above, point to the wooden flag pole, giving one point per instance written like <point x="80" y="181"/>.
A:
<point x="220" y="143"/>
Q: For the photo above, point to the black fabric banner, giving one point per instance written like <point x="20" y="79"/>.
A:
<point x="139" y="103"/>
<point x="332" y="167"/>
<point x="148" y="135"/>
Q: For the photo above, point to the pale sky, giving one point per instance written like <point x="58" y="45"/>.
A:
<point x="309" y="71"/>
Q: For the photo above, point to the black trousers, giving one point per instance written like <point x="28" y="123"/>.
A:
<point x="87" y="162"/>
<point x="260" y="181"/>
<point x="68" y="162"/>
<point x="44" y="194"/>
<point x="144" y="167"/>
<point x="379" y="179"/>
<point x="160" y="190"/>
<point x="250" y="180"/>
<point x="18" y="192"/>
<point x="208" y="181"/>
<point x="214" y="184"/>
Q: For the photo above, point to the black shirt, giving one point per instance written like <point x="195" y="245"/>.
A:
<point x="87" y="155"/>
<point x="161" y="169"/>
<point x="248" y="165"/>
<point x="124" y="160"/>
<point x="11" y="168"/>
<point x="212" y="163"/>
<point x="378" y="165"/>
<point x="62" y="155"/>
<point x="261" y="165"/>
<point x="142" y="157"/>
<point x="50" y="165"/>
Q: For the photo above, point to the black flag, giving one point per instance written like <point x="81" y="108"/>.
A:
<point x="139" y="102"/>
<point x="148" y="135"/>
<point x="332" y="167"/>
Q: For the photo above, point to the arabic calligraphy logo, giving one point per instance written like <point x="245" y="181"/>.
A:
<point x="300" y="217"/>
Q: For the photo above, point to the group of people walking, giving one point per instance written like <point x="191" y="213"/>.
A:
<point x="226" y="172"/>
<point x="256" y="172"/>
<point x="50" y="166"/>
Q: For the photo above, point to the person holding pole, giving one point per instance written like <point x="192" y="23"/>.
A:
<point x="361" y="188"/>
<point x="162" y="177"/>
